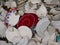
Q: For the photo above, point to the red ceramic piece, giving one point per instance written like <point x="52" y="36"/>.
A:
<point x="28" y="19"/>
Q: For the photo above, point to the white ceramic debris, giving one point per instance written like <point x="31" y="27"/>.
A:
<point x="32" y="42"/>
<point x="35" y="1"/>
<point x="53" y="37"/>
<point x="11" y="33"/>
<point x="2" y="29"/>
<point x="11" y="4"/>
<point x="42" y="11"/>
<point x="51" y="30"/>
<point x="25" y="31"/>
<point x="42" y="26"/>
<point x="46" y="38"/>
<point x="54" y="11"/>
<point x="48" y="1"/>
<point x="56" y="17"/>
<point x="3" y="13"/>
<point x="56" y="2"/>
<point x="23" y="41"/>
<point x="13" y="19"/>
<point x="56" y="24"/>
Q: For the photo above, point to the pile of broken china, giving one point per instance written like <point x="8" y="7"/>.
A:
<point x="38" y="24"/>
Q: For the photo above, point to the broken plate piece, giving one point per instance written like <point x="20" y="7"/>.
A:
<point x="56" y="24"/>
<point x="29" y="19"/>
<point x="12" y="19"/>
<point x="42" y="11"/>
<point x="25" y="31"/>
<point x="35" y="1"/>
<point x="11" y="33"/>
<point x="42" y="26"/>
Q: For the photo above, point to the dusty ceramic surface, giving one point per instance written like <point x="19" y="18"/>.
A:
<point x="25" y="31"/>
<point x="11" y="33"/>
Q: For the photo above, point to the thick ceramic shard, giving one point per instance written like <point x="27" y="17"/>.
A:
<point x="13" y="19"/>
<point x="35" y="1"/>
<point x="42" y="11"/>
<point x="23" y="41"/>
<point x="11" y="33"/>
<point x="2" y="29"/>
<point x="48" y="1"/>
<point x="56" y="24"/>
<point x="25" y="31"/>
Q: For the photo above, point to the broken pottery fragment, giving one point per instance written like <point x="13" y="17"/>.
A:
<point x="42" y="11"/>
<point x="11" y="33"/>
<point x="25" y="31"/>
<point x="42" y="26"/>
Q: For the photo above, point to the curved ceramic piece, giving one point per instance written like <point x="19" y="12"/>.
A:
<point x="42" y="11"/>
<point x="13" y="19"/>
<point x="29" y="19"/>
<point x="25" y="31"/>
<point x="11" y="33"/>
<point x="2" y="29"/>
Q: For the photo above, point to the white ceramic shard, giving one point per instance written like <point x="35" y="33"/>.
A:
<point x="48" y="1"/>
<point x="2" y="29"/>
<point x="54" y="11"/>
<point x="53" y="37"/>
<point x="56" y="2"/>
<point x="35" y="1"/>
<point x="42" y="26"/>
<point x="11" y="4"/>
<point x="56" y="17"/>
<point x="32" y="42"/>
<point x="46" y="38"/>
<point x="23" y="41"/>
<point x="3" y="13"/>
<point x="56" y="24"/>
<point x="51" y="30"/>
<point x="11" y="33"/>
<point x="42" y="11"/>
<point x="25" y="31"/>
<point x="13" y="19"/>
